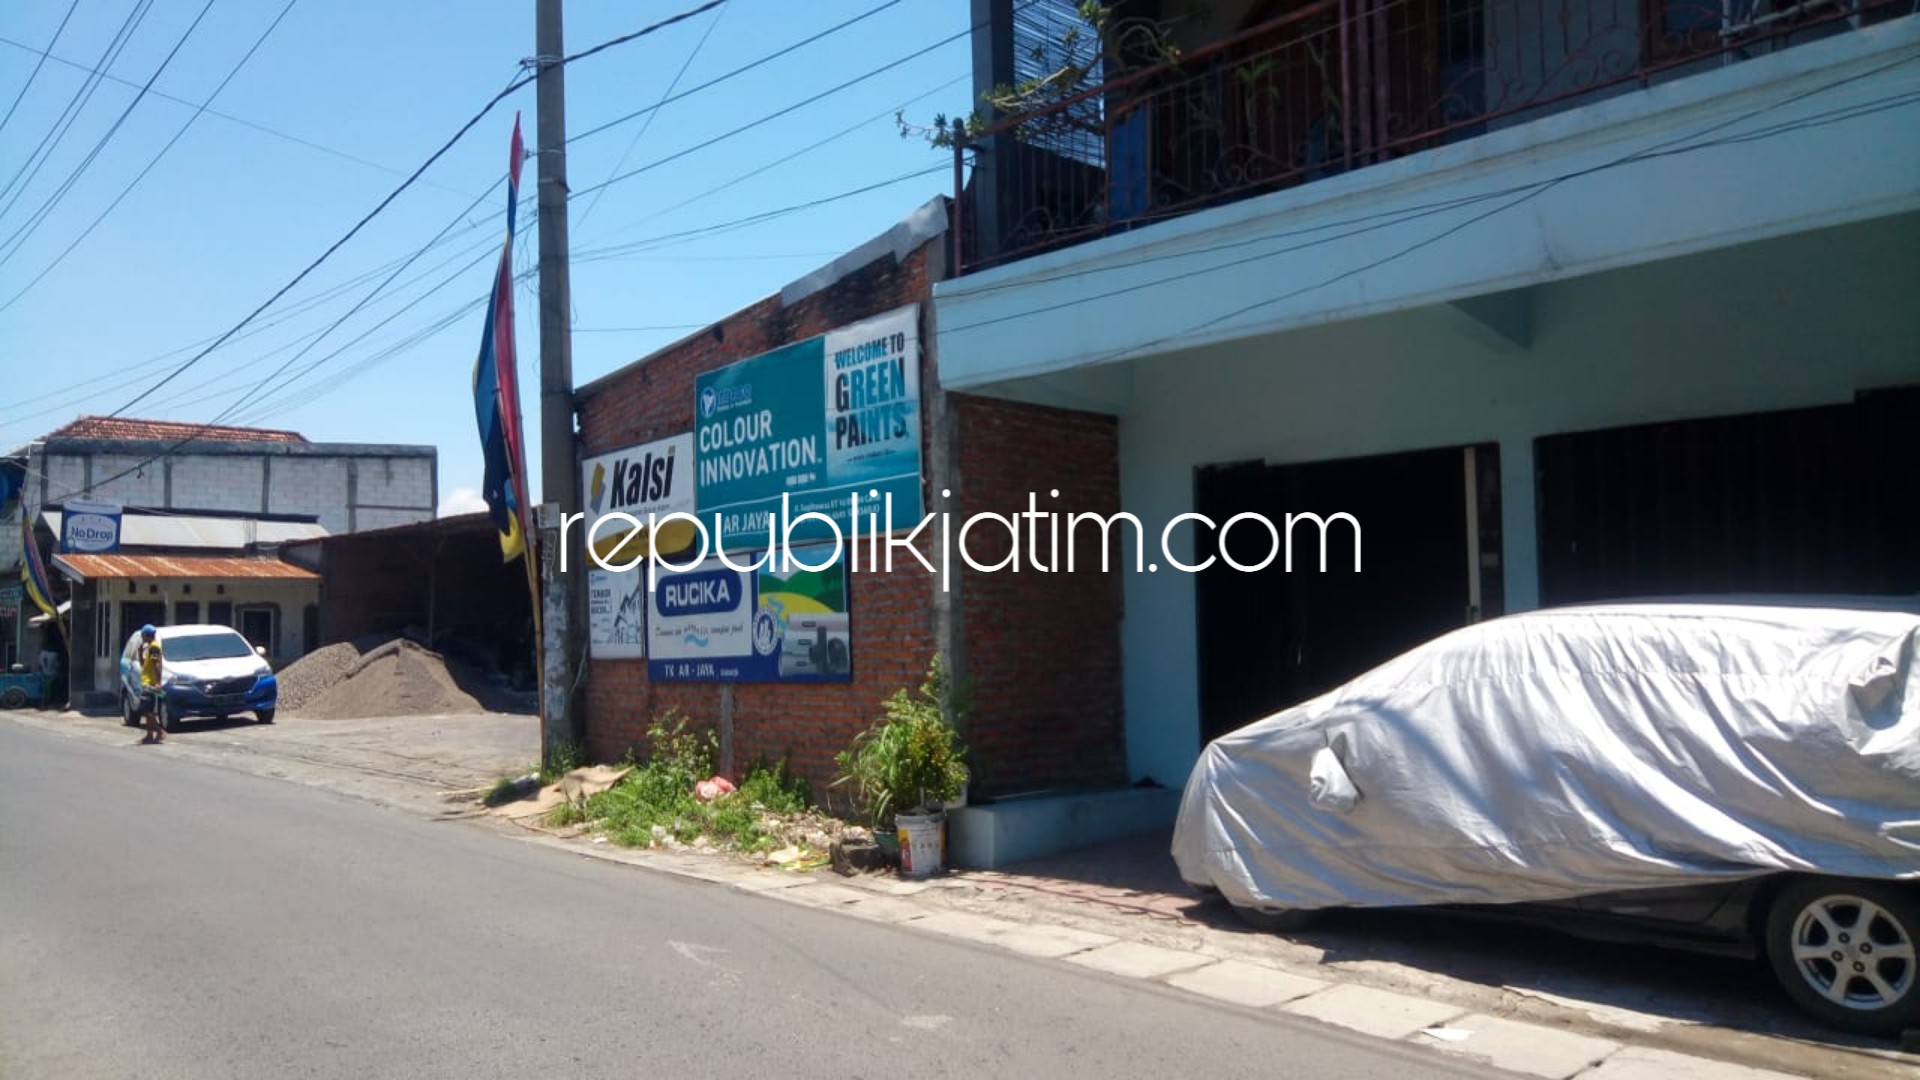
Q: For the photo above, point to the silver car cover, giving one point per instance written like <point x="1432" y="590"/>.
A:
<point x="1570" y="751"/>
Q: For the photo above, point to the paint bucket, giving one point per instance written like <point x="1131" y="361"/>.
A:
<point x="923" y="843"/>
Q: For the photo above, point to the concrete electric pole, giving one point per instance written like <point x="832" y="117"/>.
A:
<point x="560" y="721"/>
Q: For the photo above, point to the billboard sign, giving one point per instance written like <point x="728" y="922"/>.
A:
<point x="715" y="623"/>
<point x="91" y="528"/>
<point x="816" y="423"/>
<point x="651" y="478"/>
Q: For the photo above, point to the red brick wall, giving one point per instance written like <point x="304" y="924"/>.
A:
<point x="1042" y="649"/>
<point x="892" y="614"/>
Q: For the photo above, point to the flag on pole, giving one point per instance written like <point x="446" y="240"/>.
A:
<point x="33" y="572"/>
<point x="496" y="391"/>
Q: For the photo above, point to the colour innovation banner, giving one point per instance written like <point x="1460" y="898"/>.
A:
<point x="717" y="624"/>
<point x="819" y="421"/>
<point x="89" y="527"/>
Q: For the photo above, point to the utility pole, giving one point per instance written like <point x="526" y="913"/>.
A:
<point x="559" y="720"/>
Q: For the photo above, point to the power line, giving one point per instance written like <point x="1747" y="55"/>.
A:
<point x="776" y="114"/>
<point x="78" y="102"/>
<point x="762" y="169"/>
<point x="285" y="315"/>
<point x="753" y="219"/>
<point x="35" y="73"/>
<point x="45" y="54"/>
<point x="377" y="289"/>
<point x="384" y="203"/>
<point x="717" y="80"/>
<point x="437" y="154"/>
<point x="46" y="208"/>
<point x="635" y="141"/>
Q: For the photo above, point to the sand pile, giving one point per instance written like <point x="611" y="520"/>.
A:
<point x="397" y="678"/>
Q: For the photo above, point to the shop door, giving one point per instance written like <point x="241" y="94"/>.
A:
<point x="1429" y="562"/>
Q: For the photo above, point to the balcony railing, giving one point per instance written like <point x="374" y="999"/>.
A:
<point x="1333" y="86"/>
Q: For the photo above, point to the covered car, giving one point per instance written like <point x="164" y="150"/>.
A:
<point x="1573" y="752"/>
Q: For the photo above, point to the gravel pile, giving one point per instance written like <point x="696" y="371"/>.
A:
<point x="398" y="678"/>
<point x="315" y="673"/>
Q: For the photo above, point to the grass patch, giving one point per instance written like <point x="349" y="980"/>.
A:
<point x="503" y="791"/>
<point x="656" y="802"/>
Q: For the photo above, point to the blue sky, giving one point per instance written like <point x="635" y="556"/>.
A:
<point x="357" y="94"/>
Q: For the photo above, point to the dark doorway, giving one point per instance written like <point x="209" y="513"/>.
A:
<point x="1429" y="545"/>
<point x="186" y="612"/>
<point x="1816" y="500"/>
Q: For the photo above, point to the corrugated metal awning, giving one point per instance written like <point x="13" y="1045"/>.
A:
<point x="116" y="567"/>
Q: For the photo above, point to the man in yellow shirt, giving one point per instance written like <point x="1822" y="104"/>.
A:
<point x="147" y="655"/>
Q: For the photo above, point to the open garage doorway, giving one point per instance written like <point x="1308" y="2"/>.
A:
<point x="1429" y="547"/>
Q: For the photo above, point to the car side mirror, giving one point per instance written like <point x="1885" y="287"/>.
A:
<point x="260" y="650"/>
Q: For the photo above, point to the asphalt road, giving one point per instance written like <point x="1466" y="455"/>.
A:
<point x="162" y="918"/>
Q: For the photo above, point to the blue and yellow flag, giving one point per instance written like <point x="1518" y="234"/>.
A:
<point x="33" y="572"/>
<point x="496" y="393"/>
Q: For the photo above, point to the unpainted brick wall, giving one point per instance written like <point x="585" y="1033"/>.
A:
<point x="1044" y="716"/>
<point x="1043" y="649"/>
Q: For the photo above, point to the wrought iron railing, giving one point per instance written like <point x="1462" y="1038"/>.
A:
<point x="1329" y="87"/>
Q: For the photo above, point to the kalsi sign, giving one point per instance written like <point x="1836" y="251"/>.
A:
<point x="90" y="527"/>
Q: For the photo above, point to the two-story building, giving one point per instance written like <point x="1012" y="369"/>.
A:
<point x="1557" y="301"/>
<point x="185" y="524"/>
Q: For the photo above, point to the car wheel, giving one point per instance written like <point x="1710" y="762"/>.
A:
<point x="265" y="716"/>
<point x="168" y="721"/>
<point x="129" y="715"/>
<point x="14" y="698"/>
<point x="1845" y="951"/>
<point x="1281" y="920"/>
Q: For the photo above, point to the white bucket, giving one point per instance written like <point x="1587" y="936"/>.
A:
<point x="923" y="844"/>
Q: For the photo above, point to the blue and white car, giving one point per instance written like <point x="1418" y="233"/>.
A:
<point x="205" y="672"/>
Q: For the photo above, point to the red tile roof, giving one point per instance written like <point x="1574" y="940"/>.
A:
<point x="122" y="428"/>
<point x="114" y="567"/>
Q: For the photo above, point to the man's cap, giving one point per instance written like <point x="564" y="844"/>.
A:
<point x="147" y="630"/>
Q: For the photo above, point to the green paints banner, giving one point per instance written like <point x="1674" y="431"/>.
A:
<point x="831" y="425"/>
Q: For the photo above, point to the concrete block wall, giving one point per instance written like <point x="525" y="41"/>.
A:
<point x="232" y="483"/>
<point x="306" y="485"/>
<point x="387" y="482"/>
<point x="346" y="491"/>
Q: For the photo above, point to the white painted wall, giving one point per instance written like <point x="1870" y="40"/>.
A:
<point x="1801" y="321"/>
<point x="292" y="597"/>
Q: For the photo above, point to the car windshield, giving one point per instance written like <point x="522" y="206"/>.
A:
<point x="205" y="646"/>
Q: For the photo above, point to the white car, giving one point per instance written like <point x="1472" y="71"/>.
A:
<point x="205" y="671"/>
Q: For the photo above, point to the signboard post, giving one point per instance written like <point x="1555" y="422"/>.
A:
<point x="818" y="423"/>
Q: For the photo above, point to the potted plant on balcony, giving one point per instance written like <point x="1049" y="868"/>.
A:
<point x="909" y="767"/>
